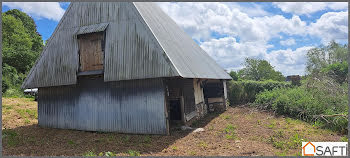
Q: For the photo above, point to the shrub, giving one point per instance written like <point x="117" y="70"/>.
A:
<point x="241" y="92"/>
<point x="312" y="103"/>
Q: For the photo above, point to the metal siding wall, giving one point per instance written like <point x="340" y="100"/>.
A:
<point x="135" y="106"/>
<point x="131" y="50"/>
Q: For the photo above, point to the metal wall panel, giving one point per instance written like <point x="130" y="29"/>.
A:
<point x="135" y="106"/>
<point x="141" y="42"/>
<point x="92" y="28"/>
<point x="131" y="50"/>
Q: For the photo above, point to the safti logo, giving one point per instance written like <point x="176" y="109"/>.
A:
<point x="311" y="149"/>
<point x="324" y="148"/>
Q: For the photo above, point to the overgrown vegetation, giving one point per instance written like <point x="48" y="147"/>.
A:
<point x="21" y="46"/>
<point x="244" y="91"/>
<point x="320" y="98"/>
<point x="312" y="103"/>
<point x="323" y="97"/>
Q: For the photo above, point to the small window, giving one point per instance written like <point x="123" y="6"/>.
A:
<point x="91" y="51"/>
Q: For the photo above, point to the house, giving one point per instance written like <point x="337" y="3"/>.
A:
<point x="295" y="79"/>
<point x="123" y="67"/>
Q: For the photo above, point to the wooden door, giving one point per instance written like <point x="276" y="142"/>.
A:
<point x="91" y="54"/>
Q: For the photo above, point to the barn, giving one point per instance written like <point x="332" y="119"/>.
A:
<point x="123" y="67"/>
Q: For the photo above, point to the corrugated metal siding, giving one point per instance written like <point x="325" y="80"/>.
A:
<point x="92" y="28"/>
<point x="135" y="106"/>
<point x="131" y="51"/>
<point x="189" y="59"/>
<point x="54" y="67"/>
<point x="141" y="42"/>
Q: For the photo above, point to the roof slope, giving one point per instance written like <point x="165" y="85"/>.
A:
<point x="141" y="42"/>
<point x="189" y="59"/>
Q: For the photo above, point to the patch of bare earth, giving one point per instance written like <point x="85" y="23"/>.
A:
<point x="239" y="131"/>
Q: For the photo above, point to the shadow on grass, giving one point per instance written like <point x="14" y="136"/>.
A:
<point x="33" y="140"/>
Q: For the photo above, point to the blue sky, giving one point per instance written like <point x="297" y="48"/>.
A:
<point x="280" y="32"/>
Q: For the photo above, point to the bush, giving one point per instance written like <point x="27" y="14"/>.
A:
<point x="15" y="93"/>
<point x="337" y="71"/>
<point x="312" y="104"/>
<point x="241" y="92"/>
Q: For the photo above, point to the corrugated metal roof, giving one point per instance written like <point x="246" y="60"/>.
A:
<point x="189" y="59"/>
<point x="92" y="28"/>
<point x="141" y="42"/>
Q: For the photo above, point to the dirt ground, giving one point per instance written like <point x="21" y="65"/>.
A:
<point x="239" y="131"/>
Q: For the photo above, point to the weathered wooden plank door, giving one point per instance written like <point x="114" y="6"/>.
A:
<point x="91" y="51"/>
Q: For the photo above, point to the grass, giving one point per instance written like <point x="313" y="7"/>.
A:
<point x="21" y="112"/>
<point x="27" y="121"/>
<point x="32" y="113"/>
<point x="283" y="136"/>
<point x="258" y="122"/>
<point x="174" y="147"/>
<point x="7" y="107"/>
<point x="192" y="153"/>
<point x="226" y="117"/>
<point x="89" y="153"/>
<point x="71" y="142"/>
<point x="133" y="153"/>
<point x="230" y="132"/>
<point x="344" y="139"/>
<point x="126" y="138"/>
<point x="272" y="125"/>
<point x="203" y="144"/>
<point x="147" y="139"/>
<point x="11" y="137"/>
<point x="110" y="138"/>
<point x="294" y="142"/>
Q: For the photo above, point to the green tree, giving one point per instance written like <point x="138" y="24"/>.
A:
<point x="30" y="28"/>
<point x="16" y="44"/>
<point x="322" y="56"/>
<point x="234" y="75"/>
<point x="256" y="69"/>
<point x="21" y="46"/>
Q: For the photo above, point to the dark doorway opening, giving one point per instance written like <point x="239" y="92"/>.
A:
<point x="175" y="110"/>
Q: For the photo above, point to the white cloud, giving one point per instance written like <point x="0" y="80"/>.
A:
<point x="289" y="62"/>
<point x="49" y="10"/>
<point x="331" y="26"/>
<point x="230" y="54"/>
<point x="307" y="8"/>
<point x="338" y="5"/>
<point x="201" y="19"/>
<point x="288" y="42"/>
<point x="247" y="35"/>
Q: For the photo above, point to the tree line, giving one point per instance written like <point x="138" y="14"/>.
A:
<point x="21" y="46"/>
